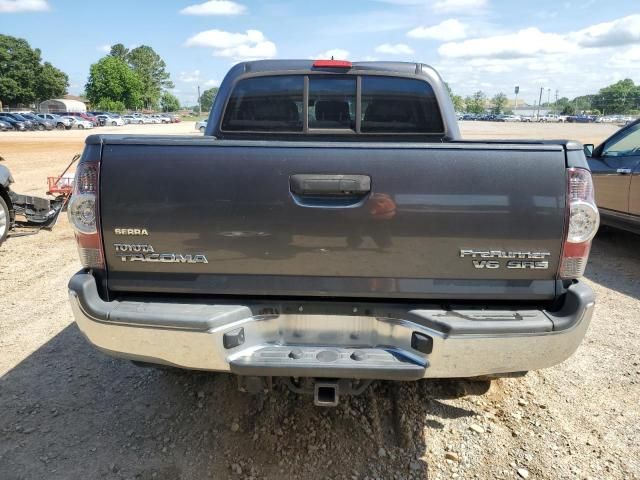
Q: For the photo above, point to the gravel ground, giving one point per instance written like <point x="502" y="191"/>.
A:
<point x="69" y="412"/>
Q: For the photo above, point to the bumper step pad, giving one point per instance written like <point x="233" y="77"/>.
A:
<point x="329" y="362"/>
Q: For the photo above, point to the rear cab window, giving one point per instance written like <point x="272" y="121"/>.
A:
<point x="333" y="104"/>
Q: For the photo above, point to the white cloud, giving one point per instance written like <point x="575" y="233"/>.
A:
<point x="531" y="42"/>
<point x="626" y="58"/>
<point x="622" y="31"/>
<point x="251" y="44"/>
<point x="214" y="7"/>
<point x="212" y="83"/>
<point x="16" y="6"/>
<point x="336" y="53"/>
<point x="106" y="48"/>
<point x="445" y="31"/>
<point x="464" y="6"/>
<point x="524" y="43"/>
<point x="394" y="49"/>
<point x="189" y="77"/>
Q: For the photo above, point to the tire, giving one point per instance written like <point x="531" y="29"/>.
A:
<point x="41" y="127"/>
<point x="80" y="127"/>
<point x="201" y="129"/>
<point x="5" y="220"/>
<point x="114" y="124"/>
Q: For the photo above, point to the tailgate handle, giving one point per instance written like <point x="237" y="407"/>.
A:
<point x="330" y="185"/>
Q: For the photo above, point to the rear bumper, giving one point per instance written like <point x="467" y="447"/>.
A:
<point x="322" y="340"/>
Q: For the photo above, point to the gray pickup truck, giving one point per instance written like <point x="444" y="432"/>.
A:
<point x="332" y="228"/>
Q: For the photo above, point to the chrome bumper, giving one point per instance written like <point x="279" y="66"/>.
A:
<point x="235" y="338"/>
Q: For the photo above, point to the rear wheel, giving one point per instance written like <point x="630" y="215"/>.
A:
<point x="114" y="123"/>
<point x="40" y="127"/>
<point x="4" y="220"/>
<point x="60" y="126"/>
<point x="80" y="127"/>
<point x="201" y="129"/>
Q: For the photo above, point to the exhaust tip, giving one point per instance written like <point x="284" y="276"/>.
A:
<point x="326" y="394"/>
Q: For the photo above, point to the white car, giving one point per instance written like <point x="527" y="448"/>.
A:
<point x="161" y="118"/>
<point x="553" y="118"/>
<point x="512" y="118"/>
<point x="133" y="119"/>
<point x="79" y="123"/>
<point x="111" y="121"/>
<point x="201" y="125"/>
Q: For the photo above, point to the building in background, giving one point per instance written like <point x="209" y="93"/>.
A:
<point x="63" y="105"/>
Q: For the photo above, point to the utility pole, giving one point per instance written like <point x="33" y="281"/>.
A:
<point x="515" y="105"/>
<point x="548" y="97"/>
<point x="555" y="104"/>
<point x="199" y="102"/>
<point x="539" y="102"/>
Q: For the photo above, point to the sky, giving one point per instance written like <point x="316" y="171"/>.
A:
<point x="573" y="47"/>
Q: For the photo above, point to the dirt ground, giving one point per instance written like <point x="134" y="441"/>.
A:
<point x="70" y="412"/>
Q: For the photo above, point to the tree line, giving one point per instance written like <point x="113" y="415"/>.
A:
<point x="130" y="79"/>
<point x="24" y="77"/>
<point x="622" y="97"/>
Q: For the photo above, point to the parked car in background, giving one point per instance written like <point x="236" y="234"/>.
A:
<point x="511" y="118"/>
<point x="29" y="124"/>
<point x="18" y="125"/>
<point x="581" y="118"/>
<point x="201" y="125"/>
<point x="5" y="126"/>
<point x="80" y="123"/>
<point x="615" y="166"/>
<point x="174" y="118"/>
<point x="84" y="116"/>
<point x="61" y="123"/>
<point x="132" y="119"/>
<point x="161" y="117"/>
<point x="109" y="120"/>
<point x="40" y="123"/>
<point x="552" y="117"/>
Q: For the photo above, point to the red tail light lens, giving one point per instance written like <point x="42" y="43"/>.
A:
<point x="83" y="214"/>
<point x="582" y="224"/>
<point x="332" y="64"/>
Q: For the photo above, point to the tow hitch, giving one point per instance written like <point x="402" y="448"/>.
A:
<point x="326" y="391"/>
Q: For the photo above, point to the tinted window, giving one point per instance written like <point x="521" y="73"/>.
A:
<point x="628" y="144"/>
<point x="399" y="105"/>
<point x="332" y="102"/>
<point x="271" y="104"/>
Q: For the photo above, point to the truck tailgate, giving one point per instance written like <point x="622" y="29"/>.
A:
<point x="332" y="219"/>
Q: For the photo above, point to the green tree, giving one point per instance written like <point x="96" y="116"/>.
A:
<point x="620" y="97"/>
<point x="169" y="102"/>
<point x="151" y="70"/>
<point x="119" y="51"/>
<point x="111" y="80"/>
<point x="52" y="82"/>
<point x="499" y="102"/>
<point x="23" y="78"/>
<point x="476" y="103"/>
<point x="207" y="98"/>
<point x="458" y="102"/>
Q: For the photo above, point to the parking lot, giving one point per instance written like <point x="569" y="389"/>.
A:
<point x="68" y="411"/>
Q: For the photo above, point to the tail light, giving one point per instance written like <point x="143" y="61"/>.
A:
<point x="83" y="214"/>
<point x="332" y="63"/>
<point x="582" y="224"/>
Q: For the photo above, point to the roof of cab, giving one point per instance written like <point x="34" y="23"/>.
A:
<point x="257" y="66"/>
